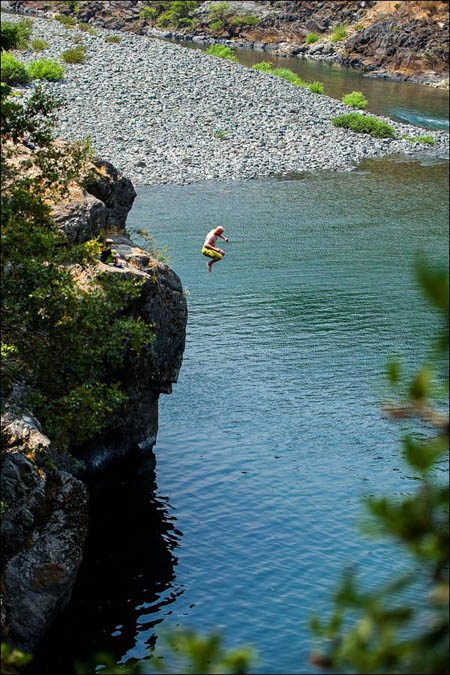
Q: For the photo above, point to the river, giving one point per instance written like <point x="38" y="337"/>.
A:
<point x="408" y="102"/>
<point x="273" y="435"/>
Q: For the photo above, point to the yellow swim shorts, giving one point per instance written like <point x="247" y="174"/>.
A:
<point x="211" y="254"/>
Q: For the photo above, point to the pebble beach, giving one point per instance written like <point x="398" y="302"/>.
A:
<point x="166" y="114"/>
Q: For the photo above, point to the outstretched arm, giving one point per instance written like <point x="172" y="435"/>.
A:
<point x="222" y="237"/>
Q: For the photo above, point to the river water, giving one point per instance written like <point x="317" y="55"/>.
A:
<point x="273" y="435"/>
<point x="409" y="102"/>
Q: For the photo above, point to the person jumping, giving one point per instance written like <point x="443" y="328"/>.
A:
<point x="209" y="247"/>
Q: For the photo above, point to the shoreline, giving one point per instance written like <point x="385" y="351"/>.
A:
<point x="324" y="51"/>
<point x="315" y="52"/>
<point x="167" y="114"/>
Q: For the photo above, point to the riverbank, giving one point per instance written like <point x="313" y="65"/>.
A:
<point x="165" y="114"/>
<point x="405" y="41"/>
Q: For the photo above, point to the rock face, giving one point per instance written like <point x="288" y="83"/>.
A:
<point x="103" y="204"/>
<point x="45" y="521"/>
<point x="162" y="304"/>
<point x="410" y="47"/>
<point x="43" y="533"/>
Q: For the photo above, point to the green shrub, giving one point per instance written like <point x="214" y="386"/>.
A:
<point x="355" y="100"/>
<point x="148" y="13"/>
<point x="419" y="139"/>
<point x="339" y="33"/>
<point x="364" y="124"/>
<point x="221" y="10"/>
<point x="113" y="38"/>
<point x="249" y="20"/>
<point x="265" y="66"/>
<point x="288" y="75"/>
<point x="284" y="73"/>
<point x="216" y="26"/>
<point x="316" y="87"/>
<point x="12" y="70"/>
<point x="75" y="55"/>
<point x="175" y="11"/>
<point x="45" y="313"/>
<point x="311" y="37"/>
<point x="15" y="35"/>
<point x="45" y="69"/>
<point x="222" y="135"/>
<point x="66" y="21"/>
<point x="186" y="22"/>
<point x="39" y="45"/>
<point x="398" y="5"/>
<point x="87" y="28"/>
<point x="426" y="139"/>
<point x="222" y="51"/>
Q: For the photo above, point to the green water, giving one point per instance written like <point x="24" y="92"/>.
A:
<point x="273" y="435"/>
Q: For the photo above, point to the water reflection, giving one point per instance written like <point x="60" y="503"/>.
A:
<point x="127" y="576"/>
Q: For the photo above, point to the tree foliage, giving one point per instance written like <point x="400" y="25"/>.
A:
<point x="379" y="631"/>
<point x="68" y="342"/>
<point x="183" y="651"/>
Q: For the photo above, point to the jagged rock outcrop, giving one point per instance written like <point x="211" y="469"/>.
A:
<point x="102" y="204"/>
<point x="43" y="531"/>
<point x="406" y="46"/>
<point x="162" y="304"/>
<point x="45" y="521"/>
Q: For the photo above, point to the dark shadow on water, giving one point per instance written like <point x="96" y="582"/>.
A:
<point x="127" y="571"/>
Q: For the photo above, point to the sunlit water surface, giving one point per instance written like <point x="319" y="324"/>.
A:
<point x="273" y="434"/>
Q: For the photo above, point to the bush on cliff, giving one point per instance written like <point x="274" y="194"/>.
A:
<point x="247" y="20"/>
<point x="365" y="124"/>
<point x="311" y="37"/>
<point x="45" y="69"/>
<point x="67" y="342"/>
<point x="174" y="14"/>
<point x="12" y="70"/>
<point x="338" y="34"/>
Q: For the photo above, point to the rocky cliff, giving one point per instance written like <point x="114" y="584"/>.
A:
<point x="404" y="40"/>
<point x="44" y="523"/>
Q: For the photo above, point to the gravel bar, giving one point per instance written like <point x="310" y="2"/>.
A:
<point x="163" y="113"/>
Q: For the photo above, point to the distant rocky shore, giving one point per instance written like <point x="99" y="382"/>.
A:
<point x="162" y="114"/>
<point x="404" y="41"/>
